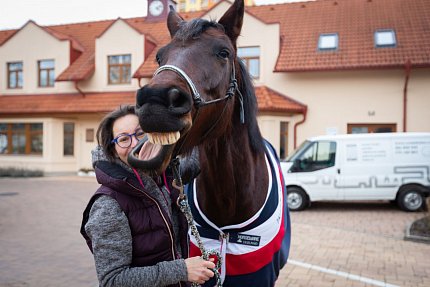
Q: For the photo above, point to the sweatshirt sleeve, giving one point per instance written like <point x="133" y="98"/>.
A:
<point x="111" y="239"/>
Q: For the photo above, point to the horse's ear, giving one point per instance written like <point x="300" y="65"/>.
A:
<point x="232" y="20"/>
<point x="173" y="21"/>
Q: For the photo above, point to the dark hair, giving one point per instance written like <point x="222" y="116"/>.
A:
<point x="105" y="130"/>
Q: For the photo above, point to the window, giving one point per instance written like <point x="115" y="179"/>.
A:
<point x="328" y="42"/>
<point x="14" y="75"/>
<point x="46" y="73"/>
<point x="89" y="135"/>
<point x="371" y="128"/>
<point x="284" y="141"/>
<point x="21" y="138"/>
<point x="119" y="69"/>
<point x="251" y="58"/>
<point x="385" y="38"/>
<point x="68" y="138"/>
<point x="316" y="156"/>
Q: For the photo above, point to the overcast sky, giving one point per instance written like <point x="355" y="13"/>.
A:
<point x="15" y="13"/>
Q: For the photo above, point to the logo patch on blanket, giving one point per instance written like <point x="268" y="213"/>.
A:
<point x="244" y="239"/>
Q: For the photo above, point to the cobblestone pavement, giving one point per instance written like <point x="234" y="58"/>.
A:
<point x="333" y="244"/>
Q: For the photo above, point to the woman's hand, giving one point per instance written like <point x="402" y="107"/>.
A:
<point x="198" y="271"/>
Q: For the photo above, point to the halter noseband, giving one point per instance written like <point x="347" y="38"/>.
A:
<point x="197" y="99"/>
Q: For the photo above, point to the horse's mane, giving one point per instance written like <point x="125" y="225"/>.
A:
<point x="246" y="87"/>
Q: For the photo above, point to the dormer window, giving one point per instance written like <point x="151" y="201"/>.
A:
<point x="119" y="69"/>
<point x="328" y="42"/>
<point x="385" y="38"/>
<point x="14" y="75"/>
<point x="46" y="73"/>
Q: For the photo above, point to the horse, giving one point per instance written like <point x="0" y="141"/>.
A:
<point x="202" y="97"/>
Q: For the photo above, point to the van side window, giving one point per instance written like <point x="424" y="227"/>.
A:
<point x="318" y="155"/>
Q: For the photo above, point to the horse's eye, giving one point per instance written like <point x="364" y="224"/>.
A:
<point x="224" y="54"/>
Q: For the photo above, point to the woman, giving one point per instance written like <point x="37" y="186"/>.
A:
<point x="132" y="225"/>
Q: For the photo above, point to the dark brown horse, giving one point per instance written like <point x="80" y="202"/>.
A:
<point x="202" y="96"/>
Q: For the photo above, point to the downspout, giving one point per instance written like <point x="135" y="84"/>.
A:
<point x="138" y="81"/>
<point x="79" y="90"/>
<point x="405" y="93"/>
<point x="305" y="111"/>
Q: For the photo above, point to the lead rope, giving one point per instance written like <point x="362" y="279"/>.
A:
<point x="183" y="205"/>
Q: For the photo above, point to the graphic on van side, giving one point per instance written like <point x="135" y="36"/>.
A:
<point x="402" y="175"/>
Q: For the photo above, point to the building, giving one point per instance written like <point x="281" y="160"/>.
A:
<point x="319" y="67"/>
<point x="197" y="5"/>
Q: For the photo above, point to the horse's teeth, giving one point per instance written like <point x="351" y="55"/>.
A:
<point x="163" y="138"/>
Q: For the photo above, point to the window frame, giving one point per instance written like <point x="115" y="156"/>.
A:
<point x="69" y="139"/>
<point x="324" y="49"/>
<point x="29" y="135"/>
<point x="371" y="127"/>
<point x="120" y="68"/>
<point x="50" y="78"/>
<point x="17" y="75"/>
<point x="247" y="59"/>
<point x="385" y="45"/>
<point x="302" y="165"/>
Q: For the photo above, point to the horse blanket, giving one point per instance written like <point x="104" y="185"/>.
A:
<point x="254" y="251"/>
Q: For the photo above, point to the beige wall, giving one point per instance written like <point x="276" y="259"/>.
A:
<point x="30" y="45"/>
<point x="255" y="33"/>
<point x="119" y="39"/>
<point x="52" y="160"/>
<point x="334" y="99"/>
<point x="418" y="119"/>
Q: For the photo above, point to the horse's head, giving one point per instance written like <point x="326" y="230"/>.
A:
<point x="190" y="99"/>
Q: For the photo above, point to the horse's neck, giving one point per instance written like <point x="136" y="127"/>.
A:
<point x="233" y="182"/>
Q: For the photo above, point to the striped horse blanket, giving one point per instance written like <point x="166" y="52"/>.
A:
<point x="254" y="251"/>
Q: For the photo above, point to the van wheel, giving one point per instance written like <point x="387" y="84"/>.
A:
<point x="297" y="199"/>
<point x="410" y="198"/>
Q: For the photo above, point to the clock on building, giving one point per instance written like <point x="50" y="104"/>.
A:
<point x="156" y="7"/>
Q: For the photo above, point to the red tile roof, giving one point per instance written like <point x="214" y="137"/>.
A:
<point x="301" y="23"/>
<point x="355" y="21"/>
<point x="268" y="101"/>
<point x="272" y="101"/>
<point x="64" y="103"/>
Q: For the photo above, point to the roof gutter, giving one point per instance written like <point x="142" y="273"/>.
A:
<point x="305" y="112"/>
<point x="79" y="90"/>
<point x="405" y="93"/>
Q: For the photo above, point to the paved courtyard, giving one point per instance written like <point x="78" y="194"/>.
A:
<point x="348" y="244"/>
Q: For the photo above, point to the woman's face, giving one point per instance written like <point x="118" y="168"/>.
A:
<point x="125" y="125"/>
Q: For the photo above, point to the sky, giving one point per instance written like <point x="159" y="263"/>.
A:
<point x="15" y="13"/>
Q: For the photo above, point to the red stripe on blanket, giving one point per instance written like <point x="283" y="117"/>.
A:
<point x="253" y="261"/>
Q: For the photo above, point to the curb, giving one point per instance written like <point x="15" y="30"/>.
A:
<point x="415" y="238"/>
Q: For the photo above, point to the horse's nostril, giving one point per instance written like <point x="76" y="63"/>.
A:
<point x="174" y="98"/>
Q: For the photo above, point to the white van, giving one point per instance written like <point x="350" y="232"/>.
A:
<point x="385" y="166"/>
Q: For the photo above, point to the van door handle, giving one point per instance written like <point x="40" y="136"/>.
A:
<point x="338" y="171"/>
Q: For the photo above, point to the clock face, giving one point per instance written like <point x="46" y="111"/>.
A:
<point x="156" y="8"/>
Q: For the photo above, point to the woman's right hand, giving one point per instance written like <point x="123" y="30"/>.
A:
<point x="198" y="271"/>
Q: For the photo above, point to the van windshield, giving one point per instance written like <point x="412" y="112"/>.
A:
<point x="296" y="153"/>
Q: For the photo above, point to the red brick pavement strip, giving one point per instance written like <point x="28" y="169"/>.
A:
<point x="40" y="244"/>
<point x="361" y="239"/>
<point x="39" y="232"/>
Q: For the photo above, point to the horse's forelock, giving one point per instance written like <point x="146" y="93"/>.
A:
<point x="194" y="28"/>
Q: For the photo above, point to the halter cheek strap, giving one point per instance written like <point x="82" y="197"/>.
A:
<point x="198" y="101"/>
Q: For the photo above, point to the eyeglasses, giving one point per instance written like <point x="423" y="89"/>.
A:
<point x="125" y="140"/>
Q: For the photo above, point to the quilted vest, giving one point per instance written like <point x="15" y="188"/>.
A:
<point x="151" y="228"/>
